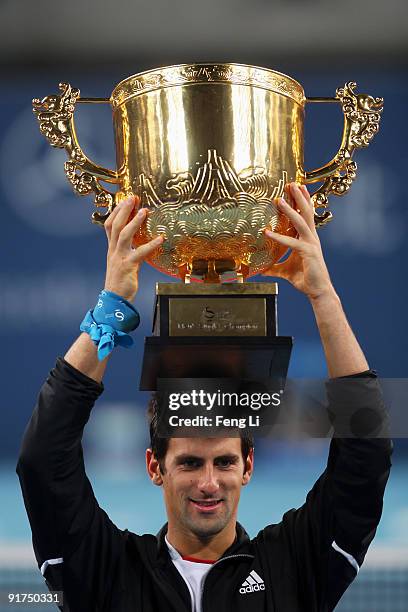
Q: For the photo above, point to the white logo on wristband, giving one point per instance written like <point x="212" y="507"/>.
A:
<point x="119" y="315"/>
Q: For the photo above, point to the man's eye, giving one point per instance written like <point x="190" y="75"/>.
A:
<point x="224" y="463"/>
<point x="190" y="463"/>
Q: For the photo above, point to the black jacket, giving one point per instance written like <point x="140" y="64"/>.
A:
<point x="106" y="569"/>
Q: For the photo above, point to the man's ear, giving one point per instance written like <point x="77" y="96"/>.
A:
<point x="153" y="468"/>
<point x="248" y="468"/>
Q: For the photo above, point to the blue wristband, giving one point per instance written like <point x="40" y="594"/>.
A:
<point x="108" y="323"/>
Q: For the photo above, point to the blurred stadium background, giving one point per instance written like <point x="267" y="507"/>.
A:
<point x="53" y="258"/>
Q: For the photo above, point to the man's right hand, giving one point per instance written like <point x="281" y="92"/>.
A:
<point x="123" y="261"/>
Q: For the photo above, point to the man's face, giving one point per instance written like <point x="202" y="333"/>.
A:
<point x="202" y="483"/>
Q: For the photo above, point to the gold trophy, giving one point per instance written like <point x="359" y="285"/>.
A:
<point x="208" y="148"/>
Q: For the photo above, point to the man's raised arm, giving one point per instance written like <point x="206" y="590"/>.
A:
<point x="75" y="543"/>
<point x="330" y="534"/>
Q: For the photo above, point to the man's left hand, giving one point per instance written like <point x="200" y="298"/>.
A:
<point x="305" y="268"/>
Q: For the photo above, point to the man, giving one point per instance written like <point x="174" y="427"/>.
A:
<point x="203" y="560"/>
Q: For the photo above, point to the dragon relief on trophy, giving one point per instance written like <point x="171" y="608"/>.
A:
<point x="218" y="210"/>
<point x="216" y="201"/>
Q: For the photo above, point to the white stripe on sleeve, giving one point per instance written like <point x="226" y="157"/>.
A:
<point x="50" y="562"/>
<point x="345" y="554"/>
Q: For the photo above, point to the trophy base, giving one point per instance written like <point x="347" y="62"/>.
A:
<point x="205" y="330"/>
<point x="250" y="358"/>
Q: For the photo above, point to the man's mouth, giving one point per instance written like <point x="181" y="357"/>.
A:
<point x="206" y="505"/>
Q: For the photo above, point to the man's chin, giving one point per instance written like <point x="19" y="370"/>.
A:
<point x="207" y="526"/>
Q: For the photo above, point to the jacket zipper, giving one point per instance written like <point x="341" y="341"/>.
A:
<point x="212" y="567"/>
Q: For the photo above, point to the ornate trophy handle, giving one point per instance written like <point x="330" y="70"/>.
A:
<point x="55" y="114"/>
<point x="362" y="114"/>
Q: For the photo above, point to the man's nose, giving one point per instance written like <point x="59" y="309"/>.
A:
<point x="208" y="481"/>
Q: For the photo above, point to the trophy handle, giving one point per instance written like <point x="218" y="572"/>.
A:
<point x="55" y="115"/>
<point x="362" y="114"/>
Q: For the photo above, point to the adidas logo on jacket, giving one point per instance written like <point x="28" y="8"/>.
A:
<point x="253" y="583"/>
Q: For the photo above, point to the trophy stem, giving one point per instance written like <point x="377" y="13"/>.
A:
<point x="214" y="271"/>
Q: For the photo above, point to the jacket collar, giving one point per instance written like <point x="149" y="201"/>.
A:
<point x="239" y="545"/>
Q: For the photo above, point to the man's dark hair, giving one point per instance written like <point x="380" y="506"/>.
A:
<point x="159" y="444"/>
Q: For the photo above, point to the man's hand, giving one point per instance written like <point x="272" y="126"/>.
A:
<point x="123" y="261"/>
<point x="305" y="268"/>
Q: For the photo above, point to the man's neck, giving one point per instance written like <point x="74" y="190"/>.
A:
<point x="188" y="544"/>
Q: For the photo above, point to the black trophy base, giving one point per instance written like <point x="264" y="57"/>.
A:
<point x="253" y="358"/>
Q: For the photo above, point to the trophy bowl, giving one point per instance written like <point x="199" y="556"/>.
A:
<point x="208" y="148"/>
